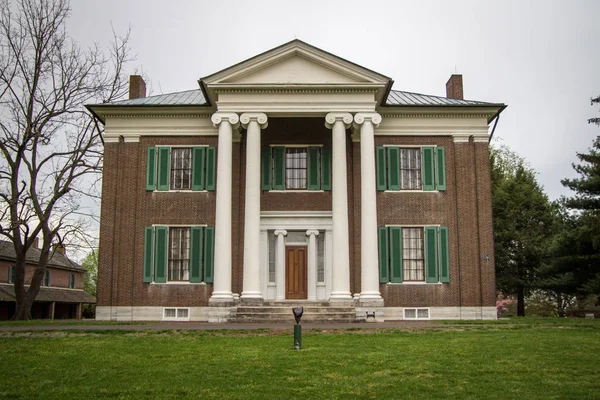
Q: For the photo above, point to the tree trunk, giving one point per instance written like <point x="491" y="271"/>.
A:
<point x="23" y="308"/>
<point x="520" y="302"/>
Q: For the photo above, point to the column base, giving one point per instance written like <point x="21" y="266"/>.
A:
<point x="370" y="297"/>
<point x="221" y="299"/>
<point x="340" y="296"/>
<point x="251" y="295"/>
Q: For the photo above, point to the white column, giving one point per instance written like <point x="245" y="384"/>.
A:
<point x="338" y="123"/>
<point x="280" y="264"/>
<point x="253" y="122"/>
<point x="226" y="122"/>
<point x="368" y="207"/>
<point x="312" y="263"/>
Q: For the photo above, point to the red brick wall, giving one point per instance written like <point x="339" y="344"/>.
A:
<point x="127" y="208"/>
<point x="465" y="207"/>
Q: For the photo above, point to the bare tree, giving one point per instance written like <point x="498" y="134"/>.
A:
<point x="50" y="146"/>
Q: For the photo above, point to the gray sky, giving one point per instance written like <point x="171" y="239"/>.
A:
<point x="536" y="56"/>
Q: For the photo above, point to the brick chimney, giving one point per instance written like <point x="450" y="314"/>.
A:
<point x="36" y="243"/>
<point x="58" y="248"/>
<point x="454" y="87"/>
<point x="137" y="87"/>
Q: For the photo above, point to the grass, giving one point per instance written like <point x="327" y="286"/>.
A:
<point x="536" y="360"/>
<point x="61" y="322"/>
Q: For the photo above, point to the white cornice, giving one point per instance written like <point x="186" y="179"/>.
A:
<point x="300" y="89"/>
<point x="437" y="114"/>
<point x="155" y="115"/>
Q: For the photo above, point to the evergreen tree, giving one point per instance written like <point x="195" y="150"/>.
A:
<point x="522" y="224"/>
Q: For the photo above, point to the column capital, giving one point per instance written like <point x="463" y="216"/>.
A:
<point x="280" y="232"/>
<point x="332" y="118"/>
<point x="311" y="232"/>
<point x="260" y="118"/>
<point x="360" y="118"/>
<point x="232" y="118"/>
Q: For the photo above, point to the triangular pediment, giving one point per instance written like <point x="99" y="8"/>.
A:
<point x="296" y="63"/>
<point x="296" y="69"/>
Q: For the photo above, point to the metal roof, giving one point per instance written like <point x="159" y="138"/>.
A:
<point x="186" y="98"/>
<point x="47" y="294"/>
<point x="59" y="260"/>
<point x="400" y="98"/>
<point x="395" y="98"/>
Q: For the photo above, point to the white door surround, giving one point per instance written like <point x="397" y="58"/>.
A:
<point x="282" y="223"/>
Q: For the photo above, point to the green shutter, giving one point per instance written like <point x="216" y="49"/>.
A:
<point x="396" y="254"/>
<point x="196" y="255"/>
<point x="148" y="253"/>
<point x="279" y="168"/>
<point x="427" y="168"/>
<point x="431" y="255"/>
<point x="440" y="169"/>
<point x="384" y="261"/>
<point x="393" y="155"/>
<point x="209" y="253"/>
<point x="164" y="165"/>
<point x="211" y="168"/>
<point x="151" y="169"/>
<point x="381" y="173"/>
<point x="198" y="163"/>
<point x="314" y="168"/>
<point x="326" y="167"/>
<point x="161" y="254"/>
<point x="266" y="168"/>
<point x="444" y="255"/>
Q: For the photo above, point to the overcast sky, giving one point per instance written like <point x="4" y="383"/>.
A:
<point x="541" y="58"/>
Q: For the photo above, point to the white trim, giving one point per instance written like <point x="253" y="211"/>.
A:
<point x="297" y="191"/>
<point x="411" y="191"/>
<point x="410" y="146"/>
<point x="416" y="309"/>
<point x="297" y="146"/>
<point x="177" y="317"/>
<point x="180" y="191"/>
<point x="180" y="225"/>
<point x="182" y="146"/>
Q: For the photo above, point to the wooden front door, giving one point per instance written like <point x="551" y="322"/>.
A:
<point x="296" y="272"/>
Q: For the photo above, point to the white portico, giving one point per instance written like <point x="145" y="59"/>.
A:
<point x="296" y="80"/>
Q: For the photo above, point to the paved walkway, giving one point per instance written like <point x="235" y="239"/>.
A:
<point x="221" y="326"/>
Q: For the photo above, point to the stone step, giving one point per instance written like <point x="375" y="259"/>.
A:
<point x="307" y="310"/>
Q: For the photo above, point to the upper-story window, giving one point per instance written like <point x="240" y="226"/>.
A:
<point x="11" y="273"/>
<point x="411" y="168"/>
<point x="72" y="281"/>
<point x="46" y="281"/>
<point x="181" y="168"/>
<point x="296" y="168"/>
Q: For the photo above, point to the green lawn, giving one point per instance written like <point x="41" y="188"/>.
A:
<point x="497" y="361"/>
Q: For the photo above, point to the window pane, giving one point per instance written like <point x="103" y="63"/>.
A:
<point x="413" y="256"/>
<point x="272" y="250"/>
<point x="179" y="254"/>
<point x="295" y="168"/>
<point x="181" y="168"/>
<point x="321" y="257"/>
<point x="410" y="169"/>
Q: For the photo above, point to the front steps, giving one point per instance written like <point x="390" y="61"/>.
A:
<point x="281" y="311"/>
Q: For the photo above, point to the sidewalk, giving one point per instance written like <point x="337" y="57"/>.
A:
<point x="221" y="326"/>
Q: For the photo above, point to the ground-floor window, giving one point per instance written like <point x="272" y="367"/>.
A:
<point x="414" y="254"/>
<point x="178" y="254"/>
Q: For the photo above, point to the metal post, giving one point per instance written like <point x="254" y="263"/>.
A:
<point x="297" y="337"/>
